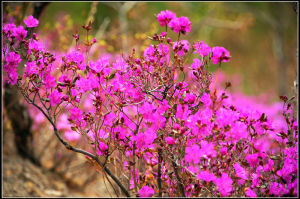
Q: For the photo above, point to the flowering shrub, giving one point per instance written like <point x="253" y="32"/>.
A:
<point x="175" y="135"/>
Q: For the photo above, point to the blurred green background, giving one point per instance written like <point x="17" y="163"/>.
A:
<point x="261" y="36"/>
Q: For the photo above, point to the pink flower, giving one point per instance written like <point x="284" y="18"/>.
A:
<point x="207" y="149"/>
<point x="220" y="54"/>
<point x="196" y="64"/>
<point x="192" y="154"/>
<point x="31" y="22"/>
<point x="10" y="67"/>
<point x="164" y="17"/>
<point x="34" y="45"/>
<point x="49" y="81"/>
<point x="20" y="33"/>
<point x="206" y="176"/>
<point x="9" y="29"/>
<point x="252" y="159"/>
<point x="250" y="193"/>
<point x="277" y="189"/>
<point x="202" y="48"/>
<point x="180" y="25"/>
<point x="146" y="191"/>
<point x="223" y="151"/>
<point x="72" y="136"/>
<point x="94" y="40"/>
<point x="182" y="47"/>
<point x="55" y="97"/>
<point x="224" y="184"/>
<point x="190" y="98"/>
<point x="240" y="171"/>
<point x="31" y="69"/>
<point x="75" y="113"/>
<point x="170" y="140"/>
<point x="205" y="98"/>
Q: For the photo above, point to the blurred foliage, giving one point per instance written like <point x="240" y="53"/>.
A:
<point x="246" y="29"/>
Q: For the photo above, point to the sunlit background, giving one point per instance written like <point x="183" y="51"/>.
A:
<point x="261" y="36"/>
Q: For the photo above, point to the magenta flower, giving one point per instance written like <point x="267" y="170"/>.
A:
<point x="20" y="33"/>
<point x="49" y="81"/>
<point x="252" y="159"/>
<point x="9" y="29"/>
<point x="76" y="113"/>
<point x="164" y="17"/>
<point x="206" y="176"/>
<point x="180" y="25"/>
<point x="277" y="189"/>
<point x="170" y="140"/>
<point x="55" y="97"/>
<point x="219" y="54"/>
<point x="192" y="154"/>
<point x="207" y="149"/>
<point x="31" y="69"/>
<point x="205" y="98"/>
<point x="71" y="135"/>
<point x="146" y="191"/>
<point x="202" y="49"/>
<point x="10" y="67"/>
<point x="182" y="47"/>
<point x="31" y="22"/>
<point x="240" y="171"/>
<point x="94" y="40"/>
<point x="197" y="63"/>
<point x="250" y="193"/>
<point x="35" y="45"/>
<point x="224" y="184"/>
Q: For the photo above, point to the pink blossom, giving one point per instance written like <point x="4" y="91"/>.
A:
<point x="190" y="98"/>
<point x="240" y="171"/>
<point x="224" y="185"/>
<point x="10" y="67"/>
<point x="31" y="22"/>
<point x="207" y="149"/>
<point x="164" y="17"/>
<point x="180" y="25"/>
<point x="223" y="151"/>
<point x="192" y="154"/>
<point x="20" y="33"/>
<point x="205" y="98"/>
<point x="94" y="40"/>
<point x="99" y="65"/>
<point x="77" y="57"/>
<point x="202" y="49"/>
<point x="49" y="81"/>
<point x="250" y="193"/>
<point x="9" y="29"/>
<point x="72" y="135"/>
<point x="197" y="63"/>
<point x="219" y="54"/>
<point x="182" y="47"/>
<point x="170" y="140"/>
<point x="75" y="113"/>
<point x="146" y="191"/>
<point x="206" y="176"/>
<point x="277" y="189"/>
<point x="34" y="45"/>
<point x="31" y="69"/>
<point x="252" y="159"/>
<point x="55" y="97"/>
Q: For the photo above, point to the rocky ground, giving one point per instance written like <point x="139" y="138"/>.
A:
<point x="22" y="178"/>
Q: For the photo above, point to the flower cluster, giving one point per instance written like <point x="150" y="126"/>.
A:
<point x="177" y="136"/>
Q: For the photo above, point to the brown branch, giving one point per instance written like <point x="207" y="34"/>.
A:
<point x="68" y="146"/>
<point x="179" y="182"/>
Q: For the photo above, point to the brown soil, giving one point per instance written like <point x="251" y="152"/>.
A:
<point x="22" y="178"/>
